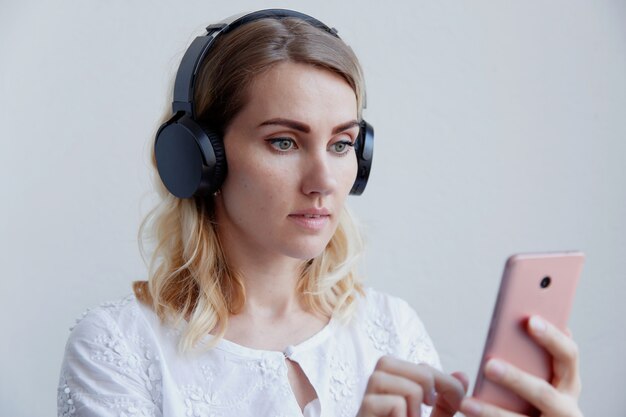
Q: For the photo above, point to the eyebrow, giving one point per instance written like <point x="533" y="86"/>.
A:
<point x="302" y="127"/>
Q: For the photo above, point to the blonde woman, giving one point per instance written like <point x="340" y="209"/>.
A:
<point x="252" y="306"/>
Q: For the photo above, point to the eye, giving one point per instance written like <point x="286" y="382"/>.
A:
<point x="282" y="144"/>
<point x="341" y="147"/>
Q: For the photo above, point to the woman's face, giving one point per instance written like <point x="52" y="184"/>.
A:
<point x="291" y="163"/>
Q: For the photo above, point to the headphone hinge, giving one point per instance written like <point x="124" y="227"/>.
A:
<point x="181" y="106"/>
<point x="216" y="27"/>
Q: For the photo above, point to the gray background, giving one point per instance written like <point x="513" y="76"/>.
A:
<point x="500" y="128"/>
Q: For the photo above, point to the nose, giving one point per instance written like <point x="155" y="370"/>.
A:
<point x="318" y="174"/>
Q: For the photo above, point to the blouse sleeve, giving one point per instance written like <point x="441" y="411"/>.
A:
<point x="416" y="345"/>
<point x="107" y="373"/>
<point x="421" y="347"/>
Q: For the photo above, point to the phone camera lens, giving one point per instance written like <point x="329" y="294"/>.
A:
<point x="545" y="282"/>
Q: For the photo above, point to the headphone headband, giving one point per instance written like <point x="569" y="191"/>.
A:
<point x="190" y="64"/>
<point x="190" y="156"/>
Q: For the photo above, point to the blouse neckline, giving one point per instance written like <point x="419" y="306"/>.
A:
<point x="290" y="351"/>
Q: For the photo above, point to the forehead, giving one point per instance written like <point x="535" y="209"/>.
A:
<point x="302" y="92"/>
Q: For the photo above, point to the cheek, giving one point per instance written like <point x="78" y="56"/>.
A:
<point x="258" y="175"/>
<point x="348" y="173"/>
<point x="258" y="182"/>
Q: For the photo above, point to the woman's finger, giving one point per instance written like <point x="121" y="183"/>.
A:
<point x="448" y="405"/>
<point x="475" y="408"/>
<point x="450" y="392"/>
<point x="421" y="374"/>
<point x="534" y="390"/>
<point x="411" y="393"/>
<point x="568" y="332"/>
<point x="440" y="390"/>
<point x="462" y="377"/>
<point x="382" y="405"/>
<point x="434" y="382"/>
<point x="564" y="351"/>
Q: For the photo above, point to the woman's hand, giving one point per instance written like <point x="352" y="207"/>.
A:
<point x="398" y="388"/>
<point x="558" y="399"/>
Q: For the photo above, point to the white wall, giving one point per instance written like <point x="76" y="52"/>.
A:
<point x="500" y="128"/>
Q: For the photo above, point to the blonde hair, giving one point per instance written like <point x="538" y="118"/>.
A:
<point x="189" y="277"/>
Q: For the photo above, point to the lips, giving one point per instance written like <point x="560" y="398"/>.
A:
<point x="311" y="219"/>
<point x="312" y="212"/>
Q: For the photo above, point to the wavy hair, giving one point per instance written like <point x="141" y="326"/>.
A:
<point x="189" y="278"/>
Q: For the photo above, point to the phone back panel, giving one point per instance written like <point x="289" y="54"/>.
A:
<point x="522" y="295"/>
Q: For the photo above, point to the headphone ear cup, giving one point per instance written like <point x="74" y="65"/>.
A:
<point x="215" y="175"/>
<point x="364" y="147"/>
<point x="190" y="159"/>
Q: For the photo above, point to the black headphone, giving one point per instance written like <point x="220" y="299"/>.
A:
<point x="190" y="156"/>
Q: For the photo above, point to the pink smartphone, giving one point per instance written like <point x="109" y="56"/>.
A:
<point x="532" y="284"/>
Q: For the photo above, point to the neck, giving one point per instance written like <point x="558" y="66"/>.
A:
<point x="270" y="279"/>
<point x="271" y="288"/>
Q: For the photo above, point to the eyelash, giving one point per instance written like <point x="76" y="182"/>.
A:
<point x="275" y="141"/>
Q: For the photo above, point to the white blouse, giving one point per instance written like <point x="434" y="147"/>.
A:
<point x="121" y="361"/>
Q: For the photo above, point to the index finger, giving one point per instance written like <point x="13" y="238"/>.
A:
<point x="450" y="394"/>
<point x="449" y="390"/>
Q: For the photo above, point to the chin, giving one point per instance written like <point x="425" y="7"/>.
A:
<point x="305" y="255"/>
<point x="305" y="251"/>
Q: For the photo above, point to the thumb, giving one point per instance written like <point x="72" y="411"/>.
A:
<point x="449" y="397"/>
<point x="462" y="377"/>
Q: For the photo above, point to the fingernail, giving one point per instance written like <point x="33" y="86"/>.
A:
<point x="495" y="369"/>
<point x="537" y="325"/>
<point x="471" y="408"/>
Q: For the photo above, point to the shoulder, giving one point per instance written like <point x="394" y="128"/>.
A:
<point x="110" y="360"/>
<point x="394" y="327"/>
<point x="123" y="328"/>
<point x="111" y="330"/>
<point x="388" y="307"/>
<point x="380" y="300"/>
<point x="107" y="318"/>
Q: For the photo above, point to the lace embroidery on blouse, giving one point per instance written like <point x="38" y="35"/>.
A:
<point x="113" y="366"/>
<point x="128" y="354"/>
<point x="421" y="349"/>
<point x="381" y="331"/>
<point x="67" y="399"/>
<point x="343" y="383"/>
